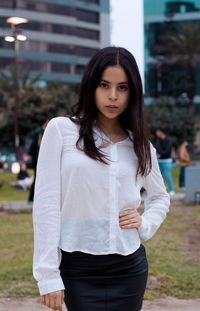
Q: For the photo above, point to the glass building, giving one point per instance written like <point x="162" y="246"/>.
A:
<point x="161" y="17"/>
<point x="62" y="35"/>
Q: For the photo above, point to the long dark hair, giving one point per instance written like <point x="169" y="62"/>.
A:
<point x="85" y="112"/>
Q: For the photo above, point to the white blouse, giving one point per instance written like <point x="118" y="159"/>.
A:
<point x="78" y="200"/>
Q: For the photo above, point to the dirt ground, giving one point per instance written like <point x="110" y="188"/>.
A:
<point x="191" y="249"/>
<point x="33" y="304"/>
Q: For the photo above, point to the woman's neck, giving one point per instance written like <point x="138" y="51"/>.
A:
<point x="109" y="125"/>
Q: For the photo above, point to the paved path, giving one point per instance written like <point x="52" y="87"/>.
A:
<point x="21" y="205"/>
<point x="171" y="309"/>
<point x="15" y="205"/>
<point x="34" y="304"/>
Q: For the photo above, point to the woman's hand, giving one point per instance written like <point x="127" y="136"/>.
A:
<point x="130" y="218"/>
<point x="54" y="300"/>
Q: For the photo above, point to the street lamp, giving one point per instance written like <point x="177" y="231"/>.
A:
<point x="16" y="37"/>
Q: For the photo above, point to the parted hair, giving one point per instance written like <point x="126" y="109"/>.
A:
<point x="85" y="112"/>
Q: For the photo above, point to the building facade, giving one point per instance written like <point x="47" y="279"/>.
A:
<point x="160" y="17"/>
<point x="62" y="35"/>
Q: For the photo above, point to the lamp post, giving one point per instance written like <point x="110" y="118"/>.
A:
<point x="16" y="37"/>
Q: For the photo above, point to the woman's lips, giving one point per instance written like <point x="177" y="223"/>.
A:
<point x="111" y="108"/>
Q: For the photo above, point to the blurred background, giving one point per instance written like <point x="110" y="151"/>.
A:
<point x="44" y="48"/>
<point x="43" y="54"/>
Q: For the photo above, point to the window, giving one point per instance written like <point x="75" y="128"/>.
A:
<point x="1" y="42"/>
<point x="90" y="1"/>
<point x="87" y="16"/>
<point x="22" y="4"/>
<point x="5" y="63"/>
<point x="40" y="46"/>
<point x="180" y="7"/>
<point x="31" y="26"/>
<point x="7" y="3"/>
<point x="60" y="67"/>
<point x="36" y="65"/>
<point x="60" y="48"/>
<point x="32" y="45"/>
<point x="63" y="29"/>
<point x="47" y="27"/>
<point x="45" y="7"/>
<point x="79" y="69"/>
<point x="84" y="51"/>
<point x="3" y="23"/>
<point x="87" y="33"/>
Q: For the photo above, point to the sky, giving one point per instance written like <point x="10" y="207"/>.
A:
<point x="127" y="28"/>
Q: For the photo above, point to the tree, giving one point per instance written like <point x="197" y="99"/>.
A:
<point x="177" y="119"/>
<point x="181" y="47"/>
<point x="25" y="79"/>
<point x="53" y="100"/>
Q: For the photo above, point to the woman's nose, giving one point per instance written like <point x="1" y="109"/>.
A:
<point x="112" y="94"/>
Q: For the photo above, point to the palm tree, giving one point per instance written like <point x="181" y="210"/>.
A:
<point x="183" y="48"/>
<point x="25" y="79"/>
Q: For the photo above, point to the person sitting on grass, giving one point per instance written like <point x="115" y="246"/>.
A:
<point x="24" y="181"/>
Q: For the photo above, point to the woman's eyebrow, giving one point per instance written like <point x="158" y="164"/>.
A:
<point x="110" y="82"/>
<point x="102" y="80"/>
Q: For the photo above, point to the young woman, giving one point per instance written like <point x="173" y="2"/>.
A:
<point x="183" y="160"/>
<point x="90" y="170"/>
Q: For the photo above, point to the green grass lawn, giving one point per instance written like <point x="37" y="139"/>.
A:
<point x="10" y="193"/>
<point x="16" y="245"/>
<point x="175" y="274"/>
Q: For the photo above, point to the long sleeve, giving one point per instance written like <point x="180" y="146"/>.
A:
<point x="156" y="203"/>
<point x="46" y="212"/>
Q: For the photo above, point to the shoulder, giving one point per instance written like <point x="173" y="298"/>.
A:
<point x="61" y="122"/>
<point x="64" y="126"/>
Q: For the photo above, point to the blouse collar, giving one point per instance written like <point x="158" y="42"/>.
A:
<point x="103" y="136"/>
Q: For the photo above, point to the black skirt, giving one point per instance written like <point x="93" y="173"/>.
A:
<point x="104" y="282"/>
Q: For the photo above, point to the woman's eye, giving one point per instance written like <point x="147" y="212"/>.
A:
<point x="103" y="85"/>
<point x="123" y="87"/>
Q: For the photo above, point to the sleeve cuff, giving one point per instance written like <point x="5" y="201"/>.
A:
<point x="50" y="286"/>
<point x="142" y="230"/>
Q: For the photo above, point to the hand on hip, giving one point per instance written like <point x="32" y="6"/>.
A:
<point x="130" y="219"/>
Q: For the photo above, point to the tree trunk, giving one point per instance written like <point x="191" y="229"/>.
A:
<point x="190" y="82"/>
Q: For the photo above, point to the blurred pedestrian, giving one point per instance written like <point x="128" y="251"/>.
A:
<point x="90" y="170"/>
<point x="24" y="181"/>
<point x="34" y="150"/>
<point x="183" y="160"/>
<point x="164" y="150"/>
<point x="23" y="173"/>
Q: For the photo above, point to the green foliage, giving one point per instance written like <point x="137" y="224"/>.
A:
<point x="177" y="120"/>
<point x="179" y="44"/>
<point x="34" y="102"/>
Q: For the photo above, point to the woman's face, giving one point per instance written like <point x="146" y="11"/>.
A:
<point x="113" y="92"/>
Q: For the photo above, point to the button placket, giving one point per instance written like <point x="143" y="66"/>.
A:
<point x="113" y="195"/>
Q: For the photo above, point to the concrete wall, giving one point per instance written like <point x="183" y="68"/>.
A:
<point x="192" y="182"/>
